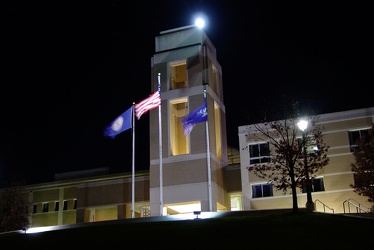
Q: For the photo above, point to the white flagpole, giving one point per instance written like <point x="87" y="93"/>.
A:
<point x="160" y="146"/>
<point x="208" y="157"/>
<point x="205" y="76"/>
<point x="133" y="162"/>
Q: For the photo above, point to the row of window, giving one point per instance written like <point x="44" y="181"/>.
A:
<point x="46" y="207"/>
<point x="260" y="153"/>
<point x="266" y="189"/>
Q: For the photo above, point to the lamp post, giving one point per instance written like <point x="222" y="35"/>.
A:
<point x="303" y="125"/>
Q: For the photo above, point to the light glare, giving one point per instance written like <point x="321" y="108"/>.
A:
<point x="200" y="23"/>
<point x="302" y="124"/>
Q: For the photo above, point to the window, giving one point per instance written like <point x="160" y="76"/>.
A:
<point x="65" y="205"/>
<point x="317" y="185"/>
<point x="145" y="211"/>
<point x="34" y="207"/>
<point x="45" y="207"/>
<point x="311" y="144"/>
<point x="236" y="202"/>
<point x="259" y="153"/>
<point x="57" y="205"/>
<point x="75" y="204"/>
<point x="178" y="74"/>
<point x="354" y="136"/>
<point x="179" y="143"/>
<point x="262" y="190"/>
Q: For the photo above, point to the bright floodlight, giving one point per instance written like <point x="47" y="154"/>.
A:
<point x="200" y="23"/>
<point x="302" y="124"/>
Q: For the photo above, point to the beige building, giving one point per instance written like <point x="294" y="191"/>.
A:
<point x="195" y="172"/>
<point x="331" y="187"/>
<point x="88" y="196"/>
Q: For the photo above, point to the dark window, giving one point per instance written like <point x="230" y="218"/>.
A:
<point x="311" y="145"/>
<point x="45" y="207"/>
<point x="57" y="205"/>
<point x="65" y="205"/>
<point x="317" y="185"/>
<point x="354" y="137"/>
<point x="262" y="190"/>
<point x="34" y="207"/>
<point x="75" y="204"/>
<point x="259" y="153"/>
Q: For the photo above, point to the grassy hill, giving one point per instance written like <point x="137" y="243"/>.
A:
<point x="285" y="231"/>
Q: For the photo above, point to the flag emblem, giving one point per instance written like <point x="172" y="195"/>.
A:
<point x="120" y="124"/>
<point x="198" y="115"/>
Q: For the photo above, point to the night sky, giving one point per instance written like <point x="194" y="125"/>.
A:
<point x="69" y="69"/>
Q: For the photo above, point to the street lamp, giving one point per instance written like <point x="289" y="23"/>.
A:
<point x="303" y="125"/>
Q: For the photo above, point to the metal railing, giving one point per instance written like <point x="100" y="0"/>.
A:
<point x="359" y="207"/>
<point x="323" y="205"/>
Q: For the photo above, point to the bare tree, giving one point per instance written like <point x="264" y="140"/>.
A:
<point x="15" y="208"/>
<point x="287" y="168"/>
<point x="363" y="169"/>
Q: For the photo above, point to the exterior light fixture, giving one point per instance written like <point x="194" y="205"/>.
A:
<point x="303" y="125"/>
<point x="200" y="22"/>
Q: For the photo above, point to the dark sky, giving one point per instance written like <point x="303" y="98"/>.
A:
<point x="69" y="69"/>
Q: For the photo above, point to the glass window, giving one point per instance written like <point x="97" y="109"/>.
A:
<point x="45" y="207"/>
<point x="311" y="144"/>
<point x="262" y="190"/>
<point x="259" y="153"/>
<point x="65" y="205"/>
<point x="145" y="211"/>
<point x="317" y="185"/>
<point x="236" y="202"/>
<point x="354" y="136"/>
<point x="57" y="205"/>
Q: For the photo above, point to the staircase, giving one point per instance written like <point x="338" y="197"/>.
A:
<point x="353" y="207"/>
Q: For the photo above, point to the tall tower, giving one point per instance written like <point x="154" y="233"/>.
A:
<point x="187" y="172"/>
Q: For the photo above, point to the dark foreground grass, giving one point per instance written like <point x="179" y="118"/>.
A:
<point x="281" y="231"/>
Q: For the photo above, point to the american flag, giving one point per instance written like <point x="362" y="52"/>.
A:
<point x="153" y="101"/>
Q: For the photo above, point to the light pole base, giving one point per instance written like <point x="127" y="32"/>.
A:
<point x="309" y="207"/>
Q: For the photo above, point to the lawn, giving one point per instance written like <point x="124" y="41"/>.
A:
<point x="279" y="231"/>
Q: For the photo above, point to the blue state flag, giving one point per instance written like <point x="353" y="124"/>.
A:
<point x="198" y="115"/>
<point x="120" y="124"/>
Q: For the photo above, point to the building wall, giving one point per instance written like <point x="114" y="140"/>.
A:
<point x="95" y="198"/>
<point x="185" y="177"/>
<point x="337" y="175"/>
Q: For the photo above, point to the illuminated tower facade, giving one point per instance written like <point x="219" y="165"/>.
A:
<point x="187" y="171"/>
